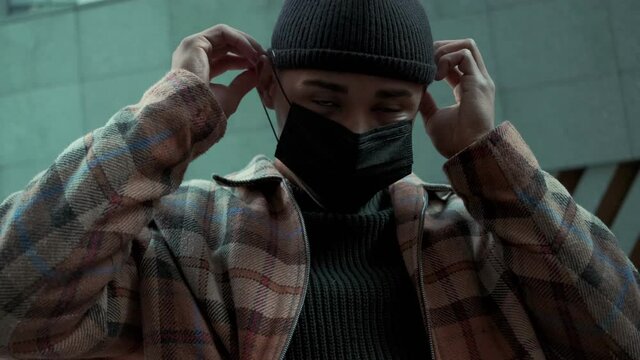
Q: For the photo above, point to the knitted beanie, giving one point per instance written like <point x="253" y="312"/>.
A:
<point x="389" y="38"/>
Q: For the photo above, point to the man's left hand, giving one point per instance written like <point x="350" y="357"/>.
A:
<point x="455" y="127"/>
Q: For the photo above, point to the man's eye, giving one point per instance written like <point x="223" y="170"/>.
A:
<point x="325" y="103"/>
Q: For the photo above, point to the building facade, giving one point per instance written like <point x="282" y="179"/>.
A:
<point x="567" y="75"/>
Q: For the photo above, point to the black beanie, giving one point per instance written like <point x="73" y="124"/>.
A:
<point x="389" y="38"/>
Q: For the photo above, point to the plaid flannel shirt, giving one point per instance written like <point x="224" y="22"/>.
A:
<point x="107" y="253"/>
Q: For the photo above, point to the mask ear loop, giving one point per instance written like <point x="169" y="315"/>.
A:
<point x="270" y="123"/>
<point x="273" y="56"/>
<point x="275" y="73"/>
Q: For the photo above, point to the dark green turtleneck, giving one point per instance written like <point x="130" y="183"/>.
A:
<point x="360" y="303"/>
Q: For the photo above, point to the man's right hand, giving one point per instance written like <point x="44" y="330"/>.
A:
<point x="216" y="50"/>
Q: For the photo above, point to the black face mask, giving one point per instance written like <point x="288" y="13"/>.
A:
<point x="344" y="169"/>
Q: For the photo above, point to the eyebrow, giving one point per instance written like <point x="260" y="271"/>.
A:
<point x="390" y="94"/>
<point x="383" y="93"/>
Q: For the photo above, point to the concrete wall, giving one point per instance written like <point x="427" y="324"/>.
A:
<point x="567" y="71"/>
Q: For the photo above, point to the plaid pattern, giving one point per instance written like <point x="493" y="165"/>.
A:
<point x="106" y="253"/>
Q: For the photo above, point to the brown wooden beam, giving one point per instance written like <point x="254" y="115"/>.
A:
<point x="617" y="191"/>
<point x="570" y="178"/>
<point x="635" y="254"/>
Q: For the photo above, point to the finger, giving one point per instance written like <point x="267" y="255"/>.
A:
<point x="222" y="52"/>
<point x="243" y="83"/>
<point x="199" y="41"/>
<point x="231" y="37"/>
<point x="226" y="63"/>
<point x="438" y="43"/>
<point x="428" y="106"/>
<point x="449" y="46"/>
<point x="463" y="59"/>
<point x="230" y="96"/>
<point x="218" y="50"/>
<point x="453" y="77"/>
<point x="254" y="42"/>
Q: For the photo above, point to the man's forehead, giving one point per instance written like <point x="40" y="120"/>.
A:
<point x="343" y="82"/>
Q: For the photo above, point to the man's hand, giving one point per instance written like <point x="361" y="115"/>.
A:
<point x="213" y="51"/>
<point x="455" y="127"/>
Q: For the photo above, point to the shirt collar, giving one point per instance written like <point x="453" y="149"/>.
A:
<point x="261" y="170"/>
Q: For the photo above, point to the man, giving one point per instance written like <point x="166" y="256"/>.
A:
<point x="334" y="250"/>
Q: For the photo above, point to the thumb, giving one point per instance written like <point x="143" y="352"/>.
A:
<point x="428" y="106"/>
<point x="231" y="95"/>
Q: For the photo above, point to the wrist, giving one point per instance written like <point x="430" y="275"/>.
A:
<point x="471" y="140"/>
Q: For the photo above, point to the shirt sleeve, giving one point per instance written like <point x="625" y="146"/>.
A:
<point x="582" y="291"/>
<point x="69" y="240"/>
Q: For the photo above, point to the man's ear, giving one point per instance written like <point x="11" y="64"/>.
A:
<point x="266" y="80"/>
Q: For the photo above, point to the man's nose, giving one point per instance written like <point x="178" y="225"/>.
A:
<point x="357" y="121"/>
